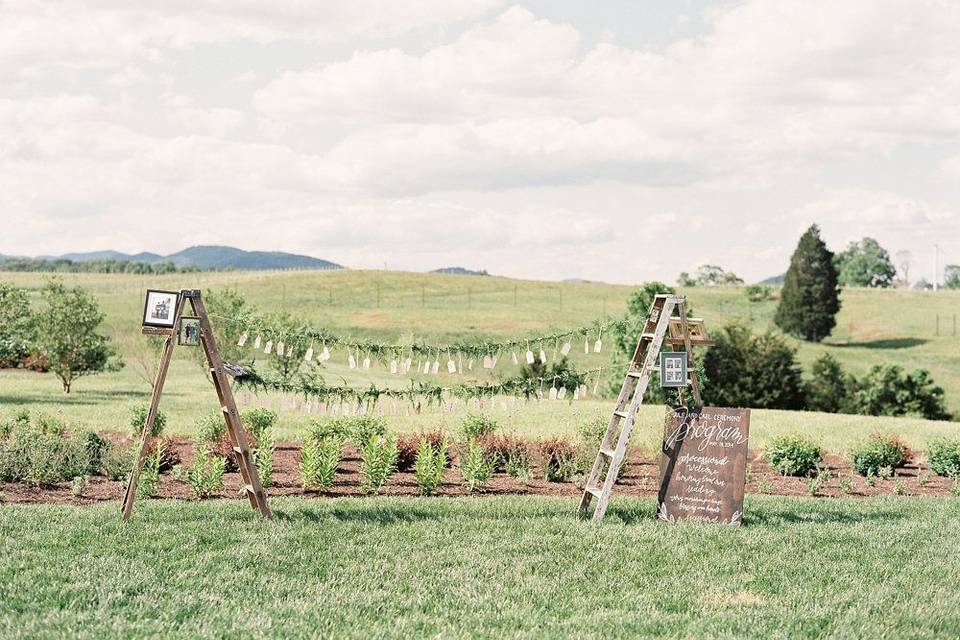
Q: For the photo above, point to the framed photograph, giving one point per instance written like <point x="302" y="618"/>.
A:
<point x="159" y="308"/>
<point x="673" y="368"/>
<point x="189" y="331"/>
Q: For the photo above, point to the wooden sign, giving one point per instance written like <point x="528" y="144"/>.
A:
<point x="702" y="466"/>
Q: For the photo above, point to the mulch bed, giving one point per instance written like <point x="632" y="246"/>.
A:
<point x="640" y="479"/>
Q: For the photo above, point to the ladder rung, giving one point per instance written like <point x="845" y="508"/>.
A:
<point x="608" y="452"/>
<point x="635" y="374"/>
<point x="649" y="336"/>
<point x="622" y="414"/>
<point x="248" y="488"/>
<point x="594" y="491"/>
<point x="225" y="410"/>
<point x="237" y="450"/>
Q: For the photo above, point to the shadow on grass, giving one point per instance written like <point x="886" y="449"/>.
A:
<point x="78" y="397"/>
<point x="380" y="514"/>
<point x="887" y="343"/>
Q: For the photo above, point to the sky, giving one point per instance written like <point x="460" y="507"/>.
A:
<point x="616" y="141"/>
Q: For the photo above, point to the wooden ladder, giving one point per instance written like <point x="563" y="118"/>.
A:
<point x="252" y="487"/>
<point x="613" y="447"/>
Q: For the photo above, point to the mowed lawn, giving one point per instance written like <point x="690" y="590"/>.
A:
<point x="484" y="567"/>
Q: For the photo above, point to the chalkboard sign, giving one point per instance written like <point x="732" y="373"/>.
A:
<point x="704" y="457"/>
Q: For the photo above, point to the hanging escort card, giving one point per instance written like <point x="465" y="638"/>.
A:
<point x="565" y="349"/>
<point x="703" y="465"/>
<point x="268" y="347"/>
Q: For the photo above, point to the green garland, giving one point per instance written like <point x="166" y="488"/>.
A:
<point x="303" y="337"/>
<point x="313" y="386"/>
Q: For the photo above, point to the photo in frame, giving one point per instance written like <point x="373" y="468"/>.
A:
<point x="160" y="308"/>
<point x="189" y="335"/>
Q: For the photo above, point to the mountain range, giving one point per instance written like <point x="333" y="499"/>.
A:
<point x="208" y="257"/>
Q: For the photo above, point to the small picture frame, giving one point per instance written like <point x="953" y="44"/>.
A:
<point x="160" y="308"/>
<point x="673" y="369"/>
<point x="189" y="335"/>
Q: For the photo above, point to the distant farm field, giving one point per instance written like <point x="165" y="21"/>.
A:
<point x="874" y="326"/>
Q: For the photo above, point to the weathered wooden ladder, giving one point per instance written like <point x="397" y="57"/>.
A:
<point x="613" y="447"/>
<point x="248" y="470"/>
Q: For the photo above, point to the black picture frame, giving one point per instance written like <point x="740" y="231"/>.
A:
<point x="156" y="319"/>
<point x="189" y="333"/>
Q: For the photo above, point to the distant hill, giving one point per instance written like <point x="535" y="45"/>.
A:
<point x="774" y="279"/>
<point x="208" y="257"/>
<point x="461" y="271"/>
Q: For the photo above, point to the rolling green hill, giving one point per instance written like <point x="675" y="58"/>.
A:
<point x="874" y="326"/>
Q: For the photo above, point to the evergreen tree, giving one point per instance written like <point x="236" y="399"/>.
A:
<point x="810" y="298"/>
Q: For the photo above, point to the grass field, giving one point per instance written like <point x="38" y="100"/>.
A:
<point x="506" y="567"/>
<point x="873" y="326"/>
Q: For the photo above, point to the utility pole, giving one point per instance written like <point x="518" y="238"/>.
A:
<point x="936" y="267"/>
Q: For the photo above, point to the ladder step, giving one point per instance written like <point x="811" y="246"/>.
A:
<point x="648" y="336"/>
<point x="248" y="488"/>
<point x="622" y="414"/>
<point x="635" y="374"/>
<point x="225" y="410"/>
<point x="608" y="452"/>
<point x="237" y="450"/>
<point x="594" y="491"/>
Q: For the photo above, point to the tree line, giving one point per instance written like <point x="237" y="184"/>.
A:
<point x="63" y="265"/>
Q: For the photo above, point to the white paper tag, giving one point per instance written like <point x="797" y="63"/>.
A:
<point x="243" y="340"/>
<point x="493" y="362"/>
<point x="565" y="349"/>
<point x="451" y="366"/>
<point x="561" y="393"/>
<point x="576" y="393"/>
<point x="366" y="362"/>
<point x="393" y="366"/>
<point x="553" y="393"/>
<point x="256" y="343"/>
<point x="513" y="358"/>
<point x="308" y="356"/>
<point x="597" y="345"/>
<point x="470" y="364"/>
<point x="268" y="347"/>
<point x="280" y="348"/>
<point x="324" y="355"/>
<point x="436" y="367"/>
<point x="586" y="346"/>
<point x="352" y="362"/>
<point x="487" y="362"/>
<point x="543" y="356"/>
<point x="529" y="357"/>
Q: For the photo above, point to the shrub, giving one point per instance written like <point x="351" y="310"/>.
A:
<point x="211" y="428"/>
<point x="378" y="461"/>
<point x="206" y="474"/>
<point x="752" y="370"/>
<point x="149" y="483"/>
<point x="758" y="292"/>
<point x="408" y="447"/>
<point x="476" y="467"/>
<point x="559" y="459"/>
<point x="138" y="418"/>
<point x="319" y="460"/>
<point x="429" y="467"/>
<point x="475" y="426"/>
<point x="887" y="391"/>
<point x="502" y="448"/>
<point x="118" y="462"/>
<point x="880" y="451"/>
<point x="96" y="448"/>
<point x="258" y="421"/>
<point x="324" y="428"/>
<point x="830" y="389"/>
<point x="364" y="429"/>
<point x="78" y="485"/>
<point x="794" y="455"/>
<point x="943" y="456"/>
<point x="169" y="458"/>
<point x="41" y="459"/>
<point x="50" y="425"/>
<point x="814" y="484"/>
<point x="263" y="457"/>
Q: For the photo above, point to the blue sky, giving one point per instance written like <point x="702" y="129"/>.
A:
<point x="537" y="139"/>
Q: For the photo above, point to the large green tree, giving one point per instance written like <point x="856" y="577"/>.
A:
<point x="16" y="325"/>
<point x="67" y="335"/>
<point x="865" y="264"/>
<point x="951" y="276"/>
<point x="810" y="298"/>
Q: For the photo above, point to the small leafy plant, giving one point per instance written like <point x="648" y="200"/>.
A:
<point x="118" y="463"/>
<point x="923" y="478"/>
<point x="79" y="484"/>
<point x="210" y="428"/>
<point x="476" y="426"/>
<point x="364" y="429"/>
<point x="794" y="455"/>
<point x="943" y="456"/>
<point x="319" y="460"/>
<point x="138" y="419"/>
<point x="899" y="487"/>
<point x="263" y="457"/>
<point x="378" y="461"/>
<point x="476" y="467"/>
<point x="429" y="466"/>
<point x="206" y="474"/>
<point x="880" y="451"/>
<point x="559" y="459"/>
<point x="149" y="483"/>
<point x="846" y="483"/>
<point x="258" y="421"/>
<point x="817" y="482"/>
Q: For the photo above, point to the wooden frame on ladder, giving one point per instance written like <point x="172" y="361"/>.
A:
<point x="248" y="470"/>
